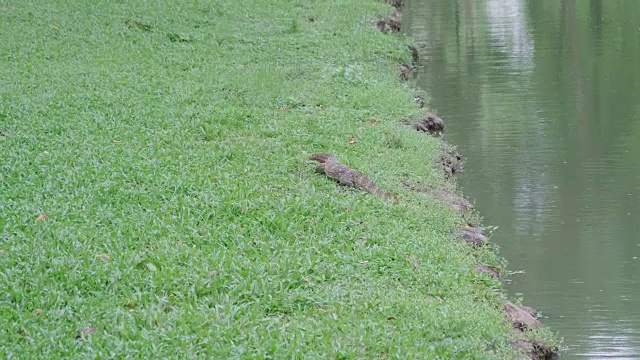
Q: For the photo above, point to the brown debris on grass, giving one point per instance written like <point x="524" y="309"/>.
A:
<point x="391" y="25"/>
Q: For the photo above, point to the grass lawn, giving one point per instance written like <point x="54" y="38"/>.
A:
<point x="156" y="200"/>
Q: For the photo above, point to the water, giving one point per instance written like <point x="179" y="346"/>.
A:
<point x="543" y="98"/>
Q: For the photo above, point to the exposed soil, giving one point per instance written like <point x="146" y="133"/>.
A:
<point x="474" y="236"/>
<point x="430" y="123"/>
<point x="405" y="72"/>
<point x="521" y="318"/>
<point x="524" y="318"/>
<point x="450" y="161"/>
<point x="489" y="270"/>
<point x="391" y="25"/>
<point x="535" y="351"/>
<point x="533" y="312"/>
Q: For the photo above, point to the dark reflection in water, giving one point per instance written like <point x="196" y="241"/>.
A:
<point x="543" y="98"/>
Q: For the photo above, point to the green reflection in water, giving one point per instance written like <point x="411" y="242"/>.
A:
<point x="543" y="98"/>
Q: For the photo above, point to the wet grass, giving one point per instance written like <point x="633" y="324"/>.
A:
<point x="166" y="144"/>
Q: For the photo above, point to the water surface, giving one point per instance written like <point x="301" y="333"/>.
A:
<point x="543" y="99"/>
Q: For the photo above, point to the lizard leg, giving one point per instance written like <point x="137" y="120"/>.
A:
<point x="345" y="181"/>
<point x="320" y="169"/>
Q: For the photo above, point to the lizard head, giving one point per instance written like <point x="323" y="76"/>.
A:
<point x="321" y="157"/>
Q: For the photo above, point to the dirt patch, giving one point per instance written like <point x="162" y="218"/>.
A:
<point x="391" y="25"/>
<point x="474" y="236"/>
<point x="535" y="351"/>
<point x="489" y="270"/>
<point x="443" y="195"/>
<point x="526" y="318"/>
<point x="522" y="318"/>
<point x="430" y="123"/>
<point x="405" y="72"/>
<point x="449" y="161"/>
<point x="531" y="311"/>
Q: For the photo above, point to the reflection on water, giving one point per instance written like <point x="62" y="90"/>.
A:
<point x="543" y="97"/>
<point x="509" y="32"/>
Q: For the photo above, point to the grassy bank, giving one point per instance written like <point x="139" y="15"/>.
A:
<point x="167" y="143"/>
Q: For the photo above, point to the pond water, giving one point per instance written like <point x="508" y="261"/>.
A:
<point x="542" y="98"/>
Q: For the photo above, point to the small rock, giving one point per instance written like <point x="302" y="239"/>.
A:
<point x="521" y="319"/>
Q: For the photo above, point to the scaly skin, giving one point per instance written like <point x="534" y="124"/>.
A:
<point x="330" y="166"/>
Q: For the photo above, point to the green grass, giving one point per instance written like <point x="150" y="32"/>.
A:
<point x="172" y="137"/>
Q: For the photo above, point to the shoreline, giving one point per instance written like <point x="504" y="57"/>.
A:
<point x="523" y="318"/>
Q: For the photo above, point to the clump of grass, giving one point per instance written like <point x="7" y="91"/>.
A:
<point x="182" y="219"/>
<point x="393" y="140"/>
<point x="293" y="27"/>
